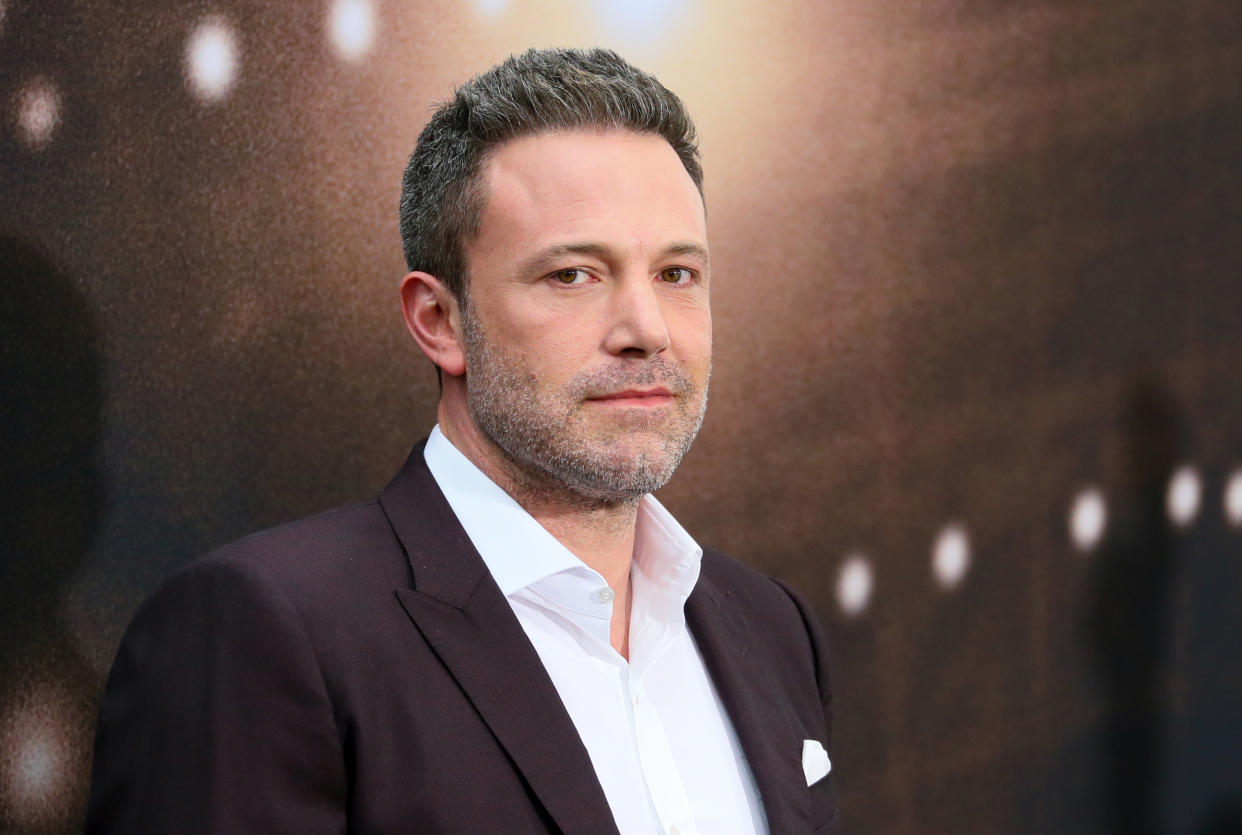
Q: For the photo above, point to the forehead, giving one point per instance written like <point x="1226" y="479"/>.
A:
<point x="616" y="185"/>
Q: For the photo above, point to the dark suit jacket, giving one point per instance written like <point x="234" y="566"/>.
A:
<point x="361" y="672"/>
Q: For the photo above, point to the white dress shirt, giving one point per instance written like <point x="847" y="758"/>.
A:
<point x="661" y="742"/>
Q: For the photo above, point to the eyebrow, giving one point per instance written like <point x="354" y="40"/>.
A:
<point x="549" y="256"/>
<point x="689" y="248"/>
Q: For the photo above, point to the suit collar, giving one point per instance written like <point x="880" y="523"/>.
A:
<point x="462" y="614"/>
<point x="761" y="716"/>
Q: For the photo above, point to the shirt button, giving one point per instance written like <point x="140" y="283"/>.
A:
<point x="605" y="595"/>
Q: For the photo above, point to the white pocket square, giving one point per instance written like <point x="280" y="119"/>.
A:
<point x="815" y="762"/>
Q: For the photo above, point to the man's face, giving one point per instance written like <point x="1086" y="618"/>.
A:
<point x="587" y="331"/>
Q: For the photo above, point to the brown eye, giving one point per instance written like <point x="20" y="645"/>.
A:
<point x="572" y="276"/>
<point x="676" y="275"/>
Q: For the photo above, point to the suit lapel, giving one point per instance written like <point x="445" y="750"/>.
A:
<point x="462" y="614"/>
<point x="761" y="717"/>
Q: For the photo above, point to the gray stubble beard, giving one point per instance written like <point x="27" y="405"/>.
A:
<point x="534" y="429"/>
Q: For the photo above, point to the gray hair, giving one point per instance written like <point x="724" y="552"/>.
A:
<point x="542" y="90"/>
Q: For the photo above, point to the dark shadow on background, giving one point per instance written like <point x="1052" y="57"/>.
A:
<point x="51" y="423"/>
<point x="1131" y="601"/>
<point x="1225" y="819"/>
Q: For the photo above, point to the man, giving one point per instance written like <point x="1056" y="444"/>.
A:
<point x="515" y="637"/>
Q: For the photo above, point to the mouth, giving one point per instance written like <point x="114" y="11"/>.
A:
<point x="641" y="397"/>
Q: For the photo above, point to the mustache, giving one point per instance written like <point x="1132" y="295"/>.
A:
<point x="627" y="374"/>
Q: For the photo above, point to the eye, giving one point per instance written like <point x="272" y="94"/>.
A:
<point x="570" y="277"/>
<point x="677" y="275"/>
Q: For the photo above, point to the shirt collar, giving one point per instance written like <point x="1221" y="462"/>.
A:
<point x="520" y="552"/>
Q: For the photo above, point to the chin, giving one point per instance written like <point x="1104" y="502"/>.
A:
<point x="626" y="475"/>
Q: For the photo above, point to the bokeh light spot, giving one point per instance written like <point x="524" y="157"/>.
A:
<point x="854" y="585"/>
<point x="638" y="18"/>
<point x="951" y="555"/>
<point x="211" y="59"/>
<point x="491" y="8"/>
<point x="34" y="765"/>
<point x="1088" y="519"/>
<point x="37" y="767"/>
<point x="1233" y="499"/>
<point x="39" y="107"/>
<point x="352" y="25"/>
<point x="1184" y="496"/>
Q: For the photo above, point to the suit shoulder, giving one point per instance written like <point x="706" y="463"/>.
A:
<point x="332" y="530"/>
<point x="324" y="562"/>
<point x="290" y="588"/>
<point x="346" y="540"/>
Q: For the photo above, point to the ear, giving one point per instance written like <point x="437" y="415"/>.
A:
<point x="432" y="317"/>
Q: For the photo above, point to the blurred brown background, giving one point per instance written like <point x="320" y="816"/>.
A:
<point x="978" y="299"/>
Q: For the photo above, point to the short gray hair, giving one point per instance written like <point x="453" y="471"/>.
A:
<point x="542" y="90"/>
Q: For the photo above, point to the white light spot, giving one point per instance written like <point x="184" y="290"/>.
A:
<point x="35" y="765"/>
<point x="1088" y="518"/>
<point x="1233" y="499"/>
<point x="352" y="27"/>
<point x="638" y="17"/>
<point x="211" y="59"/>
<point x="38" y="766"/>
<point x="854" y="584"/>
<point x="2" y="11"/>
<point x="491" y="8"/>
<point x="951" y="555"/>
<point x="38" y="113"/>
<point x="1184" y="496"/>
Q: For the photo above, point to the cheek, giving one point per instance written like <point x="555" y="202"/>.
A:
<point x="551" y="353"/>
<point x="692" y="334"/>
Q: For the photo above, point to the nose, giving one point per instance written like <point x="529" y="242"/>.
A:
<point x="636" y="320"/>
